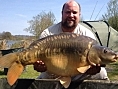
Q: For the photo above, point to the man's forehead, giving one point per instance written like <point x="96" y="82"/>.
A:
<point x="69" y="6"/>
<point x="71" y="10"/>
<point x="71" y="3"/>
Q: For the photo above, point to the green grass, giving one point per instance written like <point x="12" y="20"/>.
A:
<point x="112" y="70"/>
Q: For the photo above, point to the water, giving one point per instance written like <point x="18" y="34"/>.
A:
<point x="10" y="43"/>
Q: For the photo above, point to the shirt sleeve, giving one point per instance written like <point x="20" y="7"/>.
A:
<point x="90" y="34"/>
<point x="54" y="29"/>
<point x="87" y="32"/>
<point x="44" y="33"/>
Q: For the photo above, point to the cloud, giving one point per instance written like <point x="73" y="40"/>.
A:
<point x="21" y="15"/>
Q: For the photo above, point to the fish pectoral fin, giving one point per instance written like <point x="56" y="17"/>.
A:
<point x="14" y="72"/>
<point x="83" y="69"/>
<point x="65" y="81"/>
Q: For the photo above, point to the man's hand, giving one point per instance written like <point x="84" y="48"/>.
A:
<point x="93" y="70"/>
<point x="39" y="66"/>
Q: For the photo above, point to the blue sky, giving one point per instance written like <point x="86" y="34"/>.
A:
<point x="14" y="14"/>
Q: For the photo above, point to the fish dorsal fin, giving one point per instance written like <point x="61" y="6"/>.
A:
<point x="65" y="81"/>
<point x="14" y="72"/>
<point x="83" y="69"/>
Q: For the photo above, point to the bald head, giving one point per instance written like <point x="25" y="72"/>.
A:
<point x="70" y="15"/>
<point x="72" y="2"/>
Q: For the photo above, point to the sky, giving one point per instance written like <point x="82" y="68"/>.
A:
<point x="15" y="14"/>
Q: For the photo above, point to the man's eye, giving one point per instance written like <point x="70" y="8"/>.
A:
<point x="74" y="12"/>
<point x="68" y="12"/>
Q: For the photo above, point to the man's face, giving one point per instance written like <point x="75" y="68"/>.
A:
<point x="70" y="15"/>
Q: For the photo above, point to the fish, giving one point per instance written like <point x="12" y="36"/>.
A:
<point x="64" y="54"/>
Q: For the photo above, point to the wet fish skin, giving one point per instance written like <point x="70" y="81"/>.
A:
<point x="65" y="54"/>
<point x="104" y="55"/>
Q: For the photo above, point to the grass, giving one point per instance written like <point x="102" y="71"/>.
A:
<point x="112" y="70"/>
<point x="30" y="73"/>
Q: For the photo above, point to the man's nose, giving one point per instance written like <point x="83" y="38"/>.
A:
<point x="71" y="14"/>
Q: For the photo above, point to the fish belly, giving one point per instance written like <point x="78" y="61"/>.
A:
<point x="63" y="65"/>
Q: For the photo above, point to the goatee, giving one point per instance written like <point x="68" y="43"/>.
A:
<point x="69" y="24"/>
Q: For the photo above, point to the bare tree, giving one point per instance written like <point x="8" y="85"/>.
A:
<point x="40" y="22"/>
<point x="6" y="35"/>
<point x="112" y="14"/>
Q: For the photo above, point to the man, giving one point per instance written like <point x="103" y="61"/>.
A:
<point x="71" y="12"/>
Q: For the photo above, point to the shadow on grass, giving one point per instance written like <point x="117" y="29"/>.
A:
<point x="2" y="73"/>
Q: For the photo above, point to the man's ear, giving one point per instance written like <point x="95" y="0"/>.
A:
<point x="62" y="12"/>
<point x="79" y="13"/>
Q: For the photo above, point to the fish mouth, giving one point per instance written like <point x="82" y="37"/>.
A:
<point x="115" y="58"/>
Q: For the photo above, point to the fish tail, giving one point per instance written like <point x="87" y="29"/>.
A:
<point x="15" y="68"/>
<point x="14" y="72"/>
<point x="7" y="60"/>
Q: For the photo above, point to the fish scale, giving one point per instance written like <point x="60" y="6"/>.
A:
<point x="61" y="43"/>
<point x="65" y="54"/>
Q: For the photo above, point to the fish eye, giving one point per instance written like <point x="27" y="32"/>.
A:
<point x="105" y="50"/>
